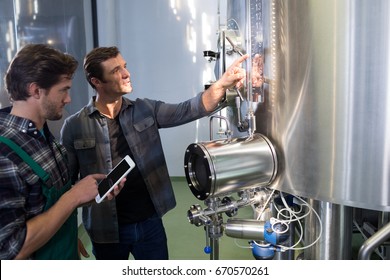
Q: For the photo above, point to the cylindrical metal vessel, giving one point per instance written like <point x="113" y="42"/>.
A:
<point x="225" y="166"/>
<point x="336" y="239"/>
<point x="327" y="97"/>
<point x="326" y="106"/>
<point x="245" y="229"/>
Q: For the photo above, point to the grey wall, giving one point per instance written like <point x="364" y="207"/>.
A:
<point x="163" y="43"/>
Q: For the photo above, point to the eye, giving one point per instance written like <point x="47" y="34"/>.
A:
<point x="115" y="70"/>
<point x="65" y="90"/>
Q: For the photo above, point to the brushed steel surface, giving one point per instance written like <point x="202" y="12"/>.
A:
<point x="327" y="101"/>
<point x="245" y="229"/>
<point x="226" y="166"/>
<point x="335" y="242"/>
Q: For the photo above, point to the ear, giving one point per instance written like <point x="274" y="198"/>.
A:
<point x="96" y="82"/>
<point x="34" y="90"/>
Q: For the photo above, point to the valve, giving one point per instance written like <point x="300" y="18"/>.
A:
<point x="262" y="251"/>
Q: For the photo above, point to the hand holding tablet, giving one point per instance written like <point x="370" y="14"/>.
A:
<point x="113" y="178"/>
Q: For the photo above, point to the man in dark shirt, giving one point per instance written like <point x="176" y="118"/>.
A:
<point x="112" y="126"/>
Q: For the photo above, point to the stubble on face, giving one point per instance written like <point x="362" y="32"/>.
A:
<point x="56" y="98"/>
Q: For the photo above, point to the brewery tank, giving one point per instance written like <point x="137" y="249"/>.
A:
<point x="326" y="101"/>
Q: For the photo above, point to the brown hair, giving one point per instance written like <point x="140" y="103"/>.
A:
<point x="93" y="60"/>
<point x="40" y="64"/>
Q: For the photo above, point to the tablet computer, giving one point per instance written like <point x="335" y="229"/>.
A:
<point x="113" y="178"/>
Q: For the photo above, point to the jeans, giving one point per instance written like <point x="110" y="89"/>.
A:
<point x="144" y="240"/>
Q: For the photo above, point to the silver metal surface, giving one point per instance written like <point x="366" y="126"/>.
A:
<point x="245" y="229"/>
<point x="373" y="242"/>
<point x="226" y="166"/>
<point x="326" y="102"/>
<point x="335" y="242"/>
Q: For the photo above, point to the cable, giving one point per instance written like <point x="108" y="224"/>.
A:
<point x="300" y="225"/>
<point x="265" y="205"/>
<point x="241" y="246"/>
<point x="289" y="217"/>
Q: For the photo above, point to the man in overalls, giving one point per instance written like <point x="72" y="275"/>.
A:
<point x="38" y="205"/>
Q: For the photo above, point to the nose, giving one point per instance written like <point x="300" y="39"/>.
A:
<point x="67" y="99"/>
<point x="125" y="73"/>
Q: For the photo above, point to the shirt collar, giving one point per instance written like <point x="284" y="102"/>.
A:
<point x="22" y="124"/>
<point x="91" y="108"/>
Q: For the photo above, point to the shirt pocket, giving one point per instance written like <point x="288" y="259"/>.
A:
<point x="86" y="150"/>
<point x="146" y="134"/>
<point x="144" y="124"/>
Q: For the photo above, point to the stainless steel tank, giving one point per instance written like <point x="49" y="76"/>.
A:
<point x="326" y="102"/>
<point x="320" y="95"/>
<point x="325" y="105"/>
<point x="225" y="166"/>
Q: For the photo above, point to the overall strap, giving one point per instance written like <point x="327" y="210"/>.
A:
<point x="26" y="158"/>
<point x="63" y="244"/>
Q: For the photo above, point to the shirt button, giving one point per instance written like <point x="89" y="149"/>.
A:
<point x="24" y="131"/>
<point x="30" y="124"/>
<point x="35" y="132"/>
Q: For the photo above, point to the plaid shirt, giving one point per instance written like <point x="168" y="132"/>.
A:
<point x="21" y="195"/>
<point x="86" y="138"/>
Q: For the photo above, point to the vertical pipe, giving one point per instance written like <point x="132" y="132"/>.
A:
<point x="336" y="239"/>
<point x="16" y="6"/>
<point x="248" y="47"/>
<point x="95" y="24"/>
<point x="214" y="242"/>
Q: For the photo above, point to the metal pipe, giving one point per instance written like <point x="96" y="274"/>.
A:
<point x="373" y="242"/>
<point x="245" y="229"/>
<point x="228" y="131"/>
<point x="214" y="254"/>
<point x="248" y="46"/>
<point x="336" y="232"/>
